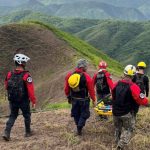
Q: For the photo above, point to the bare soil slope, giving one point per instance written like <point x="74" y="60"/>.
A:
<point x="54" y="130"/>
<point x="50" y="57"/>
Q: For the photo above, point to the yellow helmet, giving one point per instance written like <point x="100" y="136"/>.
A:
<point x="74" y="80"/>
<point x="129" y="70"/>
<point x="141" y="64"/>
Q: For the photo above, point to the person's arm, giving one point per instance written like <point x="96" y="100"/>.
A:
<point x="66" y="86"/>
<point x="90" y="87"/>
<point x="94" y="78"/>
<point x="6" y="79"/>
<point x="146" y="84"/>
<point x="30" y="88"/>
<point x="109" y="80"/>
<point x="137" y="96"/>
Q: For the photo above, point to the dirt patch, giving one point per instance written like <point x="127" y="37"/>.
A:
<point x="54" y="130"/>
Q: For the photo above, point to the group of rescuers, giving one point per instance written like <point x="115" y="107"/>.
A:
<point x="127" y="95"/>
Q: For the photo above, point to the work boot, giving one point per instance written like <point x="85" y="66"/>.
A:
<point x="28" y="134"/>
<point x="119" y="148"/>
<point x="6" y="136"/>
<point x="79" y="130"/>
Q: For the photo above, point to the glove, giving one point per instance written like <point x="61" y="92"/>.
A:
<point x="69" y="99"/>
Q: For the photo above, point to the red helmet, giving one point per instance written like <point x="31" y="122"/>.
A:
<point x="102" y="65"/>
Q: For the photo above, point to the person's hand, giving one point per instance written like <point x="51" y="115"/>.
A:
<point x="110" y="97"/>
<point x="33" y="106"/>
<point x="94" y="103"/>
<point x="69" y="99"/>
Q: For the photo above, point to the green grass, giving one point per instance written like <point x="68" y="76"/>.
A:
<point x="55" y="106"/>
<point x="83" y="48"/>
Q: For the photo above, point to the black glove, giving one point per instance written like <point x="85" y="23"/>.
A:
<point x="69" y="99"/>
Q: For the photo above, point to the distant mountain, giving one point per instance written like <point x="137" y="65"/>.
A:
<point x="127" y="42"/>
<point x="68" y="25"/>
<point x="145" y="9"/>
<point x="141" y="5"/>
<point x="5" y="10"/>
<point x="124" y="41"/>
<point x="82" y="9"/>
<point x="94" y="10"/>
<point x="120" y="3"/>
<point x="33" y="5"/>
<point x="125" y="3"/>
<point x="12" y="3"/>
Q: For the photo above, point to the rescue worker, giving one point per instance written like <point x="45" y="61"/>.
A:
<point x="103" y="81"/>
<point x="141" y="80"/>
<point x="78" y="87"/>
<point x="125" y="95"/>
<point x="20" y="89"/>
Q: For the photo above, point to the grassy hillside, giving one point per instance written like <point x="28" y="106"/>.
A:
<point x="85" y="49"/>
<point x="118" y="39"/>
<point x="52" y="55"/>
<point x="125" y="41"/>
<point x="68" y="25"/>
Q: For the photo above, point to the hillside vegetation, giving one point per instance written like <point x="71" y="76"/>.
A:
<point x="91" y="9"/>
<point x="118" y="39"/>
<point x="52" y="52"/>
<point x="125" y="41"/>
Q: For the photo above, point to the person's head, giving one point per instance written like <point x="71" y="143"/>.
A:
<point x="129" y="71"/>
<point x="83" y="64"/>
<point x="21" y="60"/>
<point x="141" y="65"/>
<point x="102" y="65"/>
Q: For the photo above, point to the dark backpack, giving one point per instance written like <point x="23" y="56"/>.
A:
<point x="140" y="82"/>
<point x="81" y="90"/>
<point x="101" y="82"/>
<point x="16" y="87"/>
<point x="122" y="99"/>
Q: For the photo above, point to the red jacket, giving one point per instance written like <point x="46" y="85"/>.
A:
<point x="89" y="82"/>
<point x="28" y="82"/>
<point x="108" y="77"/>
<point x="135" y="91"/>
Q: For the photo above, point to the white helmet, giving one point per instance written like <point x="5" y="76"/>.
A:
<point x="130" y="70"/>
<point x="20" y="58"/>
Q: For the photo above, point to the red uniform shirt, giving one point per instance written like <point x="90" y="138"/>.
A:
<point x="108" y="78"/>
<point x="135" y="91"/>
<point x="89" y="83"/>
<point x="28" y="82"/>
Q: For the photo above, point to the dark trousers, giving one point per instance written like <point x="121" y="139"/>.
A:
<point x="14" y="110"/>
<point x="80" y="111"/>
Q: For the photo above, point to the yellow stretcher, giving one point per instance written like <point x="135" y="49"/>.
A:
<point x="102" y="109"/>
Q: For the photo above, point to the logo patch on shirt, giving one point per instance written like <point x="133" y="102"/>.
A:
<point x="142" y="95"/>
<point x="29" y="79"/>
